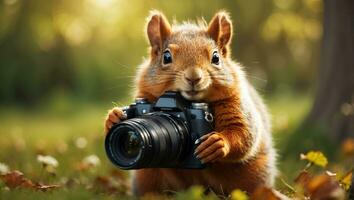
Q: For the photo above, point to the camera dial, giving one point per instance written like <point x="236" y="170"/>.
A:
<point x="202" y="106"/>
<point x="140" y="100"/>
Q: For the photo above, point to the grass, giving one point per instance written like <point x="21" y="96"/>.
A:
<point x="71" y="131"/>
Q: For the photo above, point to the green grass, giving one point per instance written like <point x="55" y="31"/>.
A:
<point x="55" y="128"/>
<point x="77" y="193"/>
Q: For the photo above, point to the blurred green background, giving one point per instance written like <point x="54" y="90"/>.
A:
<point x="63" y="63"/>
<point x="89" y="50"/>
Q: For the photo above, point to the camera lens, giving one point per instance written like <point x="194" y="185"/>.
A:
<point x="131" y="144"/>
<point x="123" y="145"/>
<point x="153" y="140"/>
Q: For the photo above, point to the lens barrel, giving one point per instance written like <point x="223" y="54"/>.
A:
<point x="154" y="140"/>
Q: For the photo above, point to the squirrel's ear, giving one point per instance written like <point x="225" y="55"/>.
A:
<point x="220" y="30"/>
<point x="158" y="29"/>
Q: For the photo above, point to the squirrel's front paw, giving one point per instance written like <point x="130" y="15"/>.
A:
<point x="114" y="116"/>
<point x="213" y="148"/>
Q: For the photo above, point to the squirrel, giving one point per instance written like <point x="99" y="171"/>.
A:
<point x="194" y="59"/>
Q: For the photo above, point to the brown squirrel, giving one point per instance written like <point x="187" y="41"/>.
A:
<point x="195" y="60"/>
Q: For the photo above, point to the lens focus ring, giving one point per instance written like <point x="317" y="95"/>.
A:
<point x="152" y="140"/>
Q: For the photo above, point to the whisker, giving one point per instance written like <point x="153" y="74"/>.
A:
<point x="257" y="78"/>
<point x="124" y="77"/>
<point x="121" y="64"/>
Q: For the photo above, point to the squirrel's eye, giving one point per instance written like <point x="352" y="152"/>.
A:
<point x="215" y="59"/>
<point x="167" y="57"/>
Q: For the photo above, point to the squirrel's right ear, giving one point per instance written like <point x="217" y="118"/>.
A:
<point x="158" y="30"/>
<point x="220" y="30"/>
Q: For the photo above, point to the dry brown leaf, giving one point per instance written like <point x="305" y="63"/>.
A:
<point x="46" y="187"/>
<point x="324" y="187"/>
<point x="16" y="179"/>
<point x="303" y="178"/>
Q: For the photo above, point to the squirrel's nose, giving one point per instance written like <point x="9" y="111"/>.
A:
<point x="193" y="76"/>
<point x="193" y="80"/>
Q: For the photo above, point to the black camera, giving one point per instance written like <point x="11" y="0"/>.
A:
<point x="160" y="135"/>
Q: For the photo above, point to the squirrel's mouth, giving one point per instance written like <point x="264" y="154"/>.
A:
<point x="192" y="94"/>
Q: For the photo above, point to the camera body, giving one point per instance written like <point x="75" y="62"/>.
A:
<point x="159" y="135"/>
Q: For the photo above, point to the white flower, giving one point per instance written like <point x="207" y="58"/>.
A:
<point x="47" y="160"/>
<point x="4" y="169"/>
<point x="92" y="160"/>
<point x="81" y="142"/>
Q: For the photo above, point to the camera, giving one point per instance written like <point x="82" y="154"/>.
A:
<point x="160" y="135"/>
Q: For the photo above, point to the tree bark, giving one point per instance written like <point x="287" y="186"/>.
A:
<point x="333" y="108"/>
<point x="351" y="194"/>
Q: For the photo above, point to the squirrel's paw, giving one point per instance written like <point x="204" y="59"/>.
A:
<point x="212" y="148"/>
<point x="114" y="116"/>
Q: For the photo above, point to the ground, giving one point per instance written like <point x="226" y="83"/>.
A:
<point x="72" y="134"/>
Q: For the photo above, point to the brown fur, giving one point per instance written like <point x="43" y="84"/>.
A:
<point x="228" y="152"/>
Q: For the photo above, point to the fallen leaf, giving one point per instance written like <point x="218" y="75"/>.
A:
<point x="303" y="178"/>
<point x="238" y="195"/>
<point x="46" y="187"/>
<point x="16" y="179"/>
<point x="315" y="157"/>
<point x="346" y="180"/>
<point x="324" y="187"/>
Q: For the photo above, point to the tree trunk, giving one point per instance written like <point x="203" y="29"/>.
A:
<point x="333" y="108"/>
<point x="351" y="194"/>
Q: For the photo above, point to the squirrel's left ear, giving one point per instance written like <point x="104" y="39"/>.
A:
<point x="158" y="30"/>
<point x="220" y="30"/>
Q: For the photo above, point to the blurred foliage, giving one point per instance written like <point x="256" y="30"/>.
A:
<point x="90" y="49"/>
